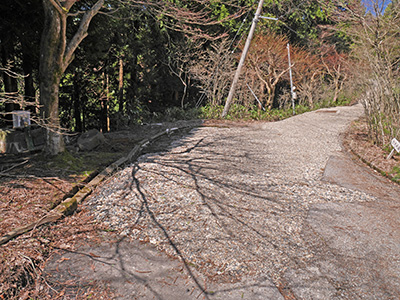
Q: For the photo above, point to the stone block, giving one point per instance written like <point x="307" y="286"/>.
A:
<point x="90" y="140"/>
<point x="20" y="140"/>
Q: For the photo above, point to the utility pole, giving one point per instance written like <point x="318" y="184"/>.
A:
<point x="242" y="58"/>
<point x="291" y="79"/>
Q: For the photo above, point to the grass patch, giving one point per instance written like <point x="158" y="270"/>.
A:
<point x="240" y="112"/>
<point x="395" y="173"/>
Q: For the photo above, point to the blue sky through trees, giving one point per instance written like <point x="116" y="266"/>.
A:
<point x="369" y="4"/>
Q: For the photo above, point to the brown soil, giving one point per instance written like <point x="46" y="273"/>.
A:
<point x="357" y="141"/>
<point x="33" y="184"/>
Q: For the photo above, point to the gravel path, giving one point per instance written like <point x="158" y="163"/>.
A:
<point x="235" y="203"/>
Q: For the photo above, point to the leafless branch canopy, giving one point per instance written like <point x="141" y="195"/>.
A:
<point x="191" y="17"/>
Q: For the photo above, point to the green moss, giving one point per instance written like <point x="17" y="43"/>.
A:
<point x="80" y="164"/>
<point x="66" y="160"/>
<point x="94" y="160"/>
<point x="85" y="190"/>
<point x="68" y="206"/>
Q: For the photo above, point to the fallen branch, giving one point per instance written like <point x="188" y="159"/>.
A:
<point x="32" y="176"/>
<point x="13" y="167"/>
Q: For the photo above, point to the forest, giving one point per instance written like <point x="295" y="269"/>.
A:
<point x="110" y="64"/>
<point x="136" y="69"/>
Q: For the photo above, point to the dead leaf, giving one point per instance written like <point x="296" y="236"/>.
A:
<point x="63" y="259"/>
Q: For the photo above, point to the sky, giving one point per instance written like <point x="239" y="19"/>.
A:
<point x="382" y="3"/>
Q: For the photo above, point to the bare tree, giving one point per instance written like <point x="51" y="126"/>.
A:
<point x="336" y="68"/>
<point x="213" y="70"/>
<point x="375" y="34"/>
<point x="15" y="98"/>
<point x="268" y="64"/>
<point x="268" y="58"/>
<point x="191" y="60"/>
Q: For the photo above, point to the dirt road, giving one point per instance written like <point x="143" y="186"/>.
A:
<point x="264" y="211"/>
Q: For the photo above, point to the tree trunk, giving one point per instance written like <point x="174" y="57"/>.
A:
<point x="10" y="85"/>
<point x="55" y="56"/>
<point x="76" y="96"/>
<point x="134" y="79"/>
<point x="104" y="118"/>
<point x="29" y="93"/>
<point x="50" y="71"/>
<point x="270" y="95"/>
<point x="121" y="85"/>
<point x="83" y="108"/>
<point x="107" y="106"/>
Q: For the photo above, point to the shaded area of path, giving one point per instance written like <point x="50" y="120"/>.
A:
<point x="357" y="245"/>
<point x="138" y="271"/>
<point x="279" y="205"/>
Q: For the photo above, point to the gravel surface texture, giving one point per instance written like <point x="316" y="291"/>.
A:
<point x="234" y="203"/>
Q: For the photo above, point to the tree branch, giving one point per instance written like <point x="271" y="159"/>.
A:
<point x="57" y="6"/>
<point x="81" y="33"/>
